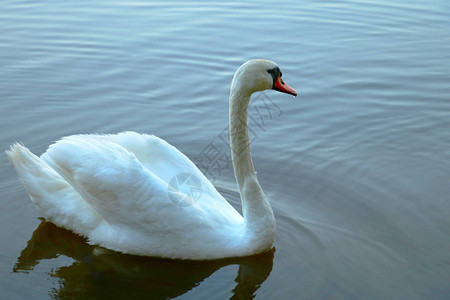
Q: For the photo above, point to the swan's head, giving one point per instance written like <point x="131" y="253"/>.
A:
<point x="258" y="75"/>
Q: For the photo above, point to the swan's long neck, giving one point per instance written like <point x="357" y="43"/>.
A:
<point x="258" y="214"/>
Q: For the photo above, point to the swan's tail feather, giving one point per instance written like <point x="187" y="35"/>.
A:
<point x="19" y="155"/>
<point x="54" y="197"/>
<point x="34" y="173"/>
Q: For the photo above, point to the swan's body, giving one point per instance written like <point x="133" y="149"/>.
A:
<point x="113" y="189"/>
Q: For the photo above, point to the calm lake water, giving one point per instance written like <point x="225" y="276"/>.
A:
<point x="357" y="167"/>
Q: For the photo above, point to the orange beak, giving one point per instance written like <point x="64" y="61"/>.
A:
<point x="280" y="86"/>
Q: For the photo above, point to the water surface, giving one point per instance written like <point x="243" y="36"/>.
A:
<point x="357" y="167"/>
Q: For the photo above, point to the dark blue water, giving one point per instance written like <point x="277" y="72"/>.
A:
<point x="357" y="166"/>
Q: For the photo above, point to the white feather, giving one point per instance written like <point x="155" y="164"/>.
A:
<point x="115" y="190"/>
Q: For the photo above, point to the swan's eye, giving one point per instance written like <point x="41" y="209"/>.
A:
<point x="269" y="71"/>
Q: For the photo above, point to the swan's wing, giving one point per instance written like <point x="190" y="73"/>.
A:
<point x="158" y="156"/>
<point x="107" y="176"/>
<point x="135" y="202"/>
<point x="166" y="163"/>
<point x="155" y="154"/>
<point x="171" y="165"/>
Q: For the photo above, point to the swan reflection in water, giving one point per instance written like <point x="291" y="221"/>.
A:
<point x="98" y="273"/>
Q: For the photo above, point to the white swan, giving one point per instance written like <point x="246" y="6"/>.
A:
<point x="113" y="189"/>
